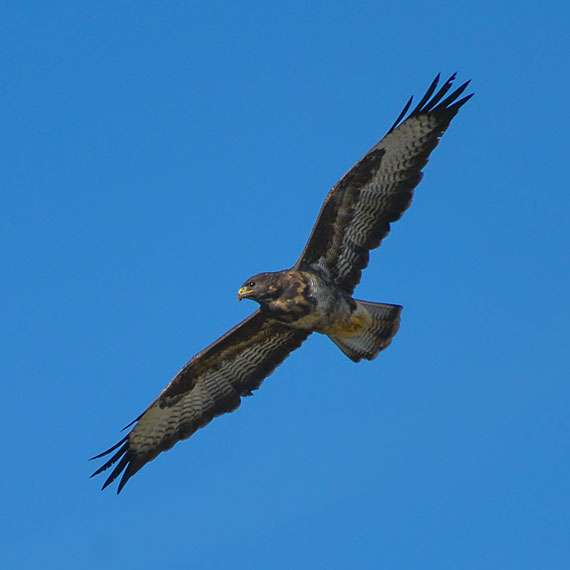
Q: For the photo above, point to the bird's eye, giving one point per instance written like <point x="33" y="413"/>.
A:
<point x="251" y="284"/>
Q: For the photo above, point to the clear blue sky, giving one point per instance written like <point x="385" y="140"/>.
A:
<point x="155" y="154"/>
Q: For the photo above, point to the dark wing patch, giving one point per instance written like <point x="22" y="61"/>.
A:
<point x="357" y="213"/>
<point x="212" y="383"/>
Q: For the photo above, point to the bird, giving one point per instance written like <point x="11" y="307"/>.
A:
<point x="314" y="295"/>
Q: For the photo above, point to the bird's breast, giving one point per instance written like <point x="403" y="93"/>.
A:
<point x="295" y="302"/>
<point x="309" y="303"/>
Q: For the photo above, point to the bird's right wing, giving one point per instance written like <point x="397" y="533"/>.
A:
<point x="357" y="213"/>
<point x="212" y="383"/>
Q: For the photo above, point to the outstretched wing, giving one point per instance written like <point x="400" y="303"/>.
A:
<point x="357" y="213"/>
<point x="212" y="383"/>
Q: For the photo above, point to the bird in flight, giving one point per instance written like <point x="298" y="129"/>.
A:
<point x="314" y="295"/>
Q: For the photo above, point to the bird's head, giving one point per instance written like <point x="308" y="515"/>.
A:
<point x="261" y="287"/>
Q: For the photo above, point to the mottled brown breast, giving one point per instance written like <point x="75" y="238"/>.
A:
<point x="295" y="301"/>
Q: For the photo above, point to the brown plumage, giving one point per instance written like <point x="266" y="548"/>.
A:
<point x="356" y="214"/>
<point x="315" y="295"/>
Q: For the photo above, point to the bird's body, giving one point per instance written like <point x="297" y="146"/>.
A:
<point x="309" y="300"/>
<point x="304" y="300"/>
<point x="315" y="295"/>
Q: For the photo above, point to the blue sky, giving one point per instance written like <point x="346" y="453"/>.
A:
<point x="156" y="155"/>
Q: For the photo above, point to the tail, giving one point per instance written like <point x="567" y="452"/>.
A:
<point x="373" y="327"/>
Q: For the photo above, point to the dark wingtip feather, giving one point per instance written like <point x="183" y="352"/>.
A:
<point x="451" y="98"/>
<point x="123" y="451"/>
<point x="402" y="114"/>
<point x="431" y="103"/>
<point x="122" y="456"/>
<point x="439" y="95"/>
<point x="133" y="422"/>
<point x="107" y="451"/>
<point x="128" y="464"/>
<point x="116" y="471"/>
<point x="458" y="104"/>
<point x="427" y="95"/>
<point x="131" y="469"/>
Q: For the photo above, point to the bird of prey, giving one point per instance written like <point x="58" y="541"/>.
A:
<point x="314" y="295"/>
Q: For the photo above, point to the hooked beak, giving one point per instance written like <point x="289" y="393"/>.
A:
<point x="244" y="293"/>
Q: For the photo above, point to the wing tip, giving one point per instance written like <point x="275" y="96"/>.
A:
<point x="402" y="114"/>
<point x="436" y="103"/>
<point x="125" y="460"/>
<point x="110" y="450"/>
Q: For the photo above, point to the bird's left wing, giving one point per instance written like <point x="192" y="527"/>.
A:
<point x="212" y="383"/>
<point x="357" y="213"/>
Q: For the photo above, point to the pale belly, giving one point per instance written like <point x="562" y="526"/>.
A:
<point x="338" y="318"/>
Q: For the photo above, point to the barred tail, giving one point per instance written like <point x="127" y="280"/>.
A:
<point x="379" y="324"/>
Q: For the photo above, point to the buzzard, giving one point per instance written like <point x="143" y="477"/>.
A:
<point x="315" y="295"/>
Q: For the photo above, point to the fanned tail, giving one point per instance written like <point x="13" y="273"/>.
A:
<point x="377" y="323"/>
